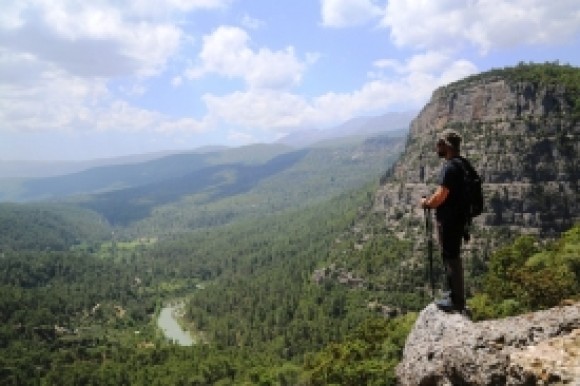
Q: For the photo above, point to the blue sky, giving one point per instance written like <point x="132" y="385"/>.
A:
<point x="92" y="79"/>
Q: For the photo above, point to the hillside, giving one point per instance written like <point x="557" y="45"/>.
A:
<point x="49" y="227"/>
<point x="23" y="169"/>
<point x="249" y="186"/>
<point x="129" y="172"/>
<point x="200" y="189"/>
<point x="395" y="124"/>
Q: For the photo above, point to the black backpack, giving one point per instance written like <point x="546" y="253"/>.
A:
<point x="472" y="197"/>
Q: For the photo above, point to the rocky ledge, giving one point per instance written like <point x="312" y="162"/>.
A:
<point x="541" y="348"/>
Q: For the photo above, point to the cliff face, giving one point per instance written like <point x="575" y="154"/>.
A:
<point x="521" y="135"/>
<point x="532" y="349"/>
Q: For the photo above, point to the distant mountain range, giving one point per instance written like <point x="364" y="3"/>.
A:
<point x="19" y="169"/>
<point x="196" y="190"/>
<point x="37" y="180"/>
<point x="127" y="172"/>
<point x="394" y="122"/>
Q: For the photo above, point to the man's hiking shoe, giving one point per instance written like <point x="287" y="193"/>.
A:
<point x="447" y="305"/>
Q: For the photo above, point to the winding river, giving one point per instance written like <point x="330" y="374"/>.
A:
<point x="167" y="322"/>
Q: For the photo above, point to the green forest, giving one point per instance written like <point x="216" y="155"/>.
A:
<point x="285" y="274"/>
<point x="88" y="317"/>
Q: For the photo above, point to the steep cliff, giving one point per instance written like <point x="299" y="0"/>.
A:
<point x="521" y="130"/>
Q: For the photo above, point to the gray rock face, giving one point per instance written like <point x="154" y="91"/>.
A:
<point x="521" y="136"/>
<point x="535" y="348"/>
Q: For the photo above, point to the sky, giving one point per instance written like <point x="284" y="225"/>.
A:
<point x="94" y="79"/>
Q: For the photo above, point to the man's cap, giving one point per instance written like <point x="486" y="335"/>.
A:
<point x="450" y="138"/>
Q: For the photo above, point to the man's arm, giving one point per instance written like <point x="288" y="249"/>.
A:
<point x="436" y="199"/>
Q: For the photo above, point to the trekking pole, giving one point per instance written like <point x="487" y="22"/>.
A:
<point x="428" y="230"/>
<point x="429" y="237"/>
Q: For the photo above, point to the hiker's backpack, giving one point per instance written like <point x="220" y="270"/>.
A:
<point x="472" y="200"/>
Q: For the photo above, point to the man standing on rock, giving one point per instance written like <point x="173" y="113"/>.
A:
<point x="447" y="202"/>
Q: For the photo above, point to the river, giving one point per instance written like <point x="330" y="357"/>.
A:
<point x="167" y="322"/>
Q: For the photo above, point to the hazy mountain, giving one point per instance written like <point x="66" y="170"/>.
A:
<point x="222" y="192"/>
<point x="394" y="122"/>
<point x="22" y="181"/>
<point x="25" y="169"/>
<point x="125" y="172"/>
<point x="42" y="169"/>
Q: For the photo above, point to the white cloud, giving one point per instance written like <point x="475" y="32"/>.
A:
<point x="428" y="62"/>
<point x="118" y="115"/>
<point x="241" y="138"/>
<point x="280" y="111"/>
<point x="176" y="81"/>
<point x="251" y="23"/>
<point x="227" y="52"/>
<point x="136" y="89"/>
<point x="259" y="108"/>
<point x="485" y="24"/>
<point x="413" y="82"/>
<point x="459" y="69"/>
<point x="89" y="38"/>
<point x="412" y="86"/>
<point x="346" y="13"/>
<point x="375" y="96"/>
<point x="50" y="99"/>
<point x="188" y="125"/>
<point x="58" y="56"/>
<point x="10" y="17"/>
<point x="153" y="7"/>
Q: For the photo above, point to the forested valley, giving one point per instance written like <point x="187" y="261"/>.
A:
<point x="80" y="296"/>
<point x="82" y="316"/>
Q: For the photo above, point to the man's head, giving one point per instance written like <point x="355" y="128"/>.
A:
<point x="448" y="143"/>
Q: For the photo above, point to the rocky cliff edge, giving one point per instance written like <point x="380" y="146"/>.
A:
<point x="541" y="348"/>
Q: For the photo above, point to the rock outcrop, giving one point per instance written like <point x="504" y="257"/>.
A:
<point x="520" y="131"/>
<point x="538" y="348"/>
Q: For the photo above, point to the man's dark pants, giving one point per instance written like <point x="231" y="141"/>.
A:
<point x="450" y="234"/>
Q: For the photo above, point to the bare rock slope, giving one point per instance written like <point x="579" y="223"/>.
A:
<point x="541" y="348"/>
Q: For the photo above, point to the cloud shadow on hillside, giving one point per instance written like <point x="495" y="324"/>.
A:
<point x="129" y="205"/>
